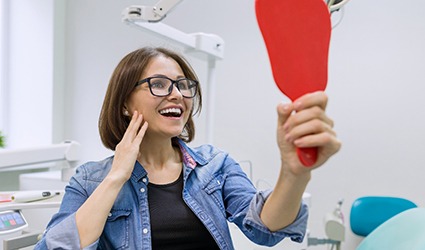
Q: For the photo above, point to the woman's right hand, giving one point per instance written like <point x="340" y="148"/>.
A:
<point x="127" y="150"/>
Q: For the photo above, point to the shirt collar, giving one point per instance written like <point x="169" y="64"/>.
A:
<point x="190" y="157"/>
<point x="139" y="172"/>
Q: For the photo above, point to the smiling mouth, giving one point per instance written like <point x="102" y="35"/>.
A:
<point x="171" y="112"/>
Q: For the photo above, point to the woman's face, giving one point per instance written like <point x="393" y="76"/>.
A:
<point x="160" y="112"/>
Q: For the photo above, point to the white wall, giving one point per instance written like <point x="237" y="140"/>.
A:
<point x="376" y="86"/>
<point x="27" y="78"/>
<point x="30" y="76"/>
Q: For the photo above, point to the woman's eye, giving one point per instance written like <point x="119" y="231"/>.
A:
<point x="157" y="84"/>
<point x="183" y="85"/>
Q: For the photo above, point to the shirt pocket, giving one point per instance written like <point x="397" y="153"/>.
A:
<point x="116" y="232"/>
<point x="214" y="189"/>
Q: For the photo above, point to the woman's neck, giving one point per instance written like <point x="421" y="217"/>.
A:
<point x="158" y="154"/>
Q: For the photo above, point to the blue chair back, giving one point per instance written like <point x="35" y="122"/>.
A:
<point x="368" y="212"/>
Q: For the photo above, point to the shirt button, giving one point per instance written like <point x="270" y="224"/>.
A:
<point x="144" y="180"/>
<point x="110" y="214"/>
<point x="145" y="230"/>
<point x="142" y="190"/>
<point x="203" y="216"/>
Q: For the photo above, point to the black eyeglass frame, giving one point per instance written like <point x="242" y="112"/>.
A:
<point x="170" y="89"/>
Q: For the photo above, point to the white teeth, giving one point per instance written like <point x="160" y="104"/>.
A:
<point x="170" y="110"/>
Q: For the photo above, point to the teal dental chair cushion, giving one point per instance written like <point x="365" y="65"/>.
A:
<point x="368" y="212"/>
<point x="404" y="231"/>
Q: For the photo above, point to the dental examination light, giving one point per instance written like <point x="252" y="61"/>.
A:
<point x="335" y="5"/>
<point x="154" y="13"/>
<point x="208" y="47"/>
<point x="69" y="152"/>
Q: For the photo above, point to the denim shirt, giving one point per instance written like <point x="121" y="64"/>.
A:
<point x="215" y="189"/>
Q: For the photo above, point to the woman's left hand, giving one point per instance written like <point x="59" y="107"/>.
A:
<point x="304" y="124"/>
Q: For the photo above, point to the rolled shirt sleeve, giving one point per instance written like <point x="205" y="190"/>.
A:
<point x="257" y="230"/>
<point x="64" y="236"/>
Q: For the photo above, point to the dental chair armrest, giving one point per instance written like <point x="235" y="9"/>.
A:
<point x="24" y="240"/>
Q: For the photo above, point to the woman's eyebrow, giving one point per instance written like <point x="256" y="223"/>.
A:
<point x="161" y="75"/>
<point x="158" y="75"/>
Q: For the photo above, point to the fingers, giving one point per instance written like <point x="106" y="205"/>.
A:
<point x="305" y="124"/>
<point x="319" y="99"/>
<point x="133" y="128"/>
<point x="284" y="111"/>
<point x="308" y="126"/>
<point x="327" y="143"/>
<point x="322" y="138"/>
<point x="139" y="137"/>
<point x="312" y="121"/>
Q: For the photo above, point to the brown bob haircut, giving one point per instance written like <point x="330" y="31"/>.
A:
<point x="112" y="121"/>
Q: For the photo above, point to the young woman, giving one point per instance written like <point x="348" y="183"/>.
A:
<point x="158" y="193"/>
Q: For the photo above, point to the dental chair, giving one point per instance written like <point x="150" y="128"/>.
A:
<point x="404" y="231"/>
<point x="388" y="223"/>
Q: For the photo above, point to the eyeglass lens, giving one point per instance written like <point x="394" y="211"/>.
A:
<point x="163" y="86"/>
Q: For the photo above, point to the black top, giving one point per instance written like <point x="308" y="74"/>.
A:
<point x="173" y="224"/>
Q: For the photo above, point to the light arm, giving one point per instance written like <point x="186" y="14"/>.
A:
<point x="69" y="151"/>
<point x="152" y="13"/>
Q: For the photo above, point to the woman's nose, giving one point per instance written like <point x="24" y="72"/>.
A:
<point x="175" y="92"/>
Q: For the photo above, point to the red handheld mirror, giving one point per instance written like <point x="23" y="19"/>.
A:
<point x="297" y="36"/>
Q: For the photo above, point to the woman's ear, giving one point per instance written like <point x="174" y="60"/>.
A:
<point x="125" y="111"/>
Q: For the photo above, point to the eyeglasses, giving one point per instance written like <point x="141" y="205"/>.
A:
<point x="162" y="86"/>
